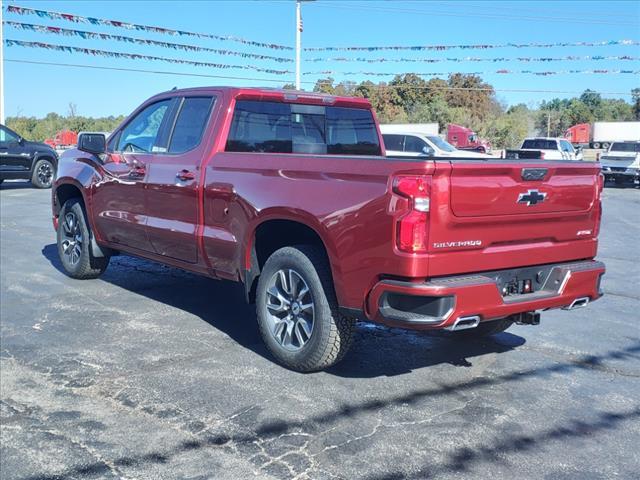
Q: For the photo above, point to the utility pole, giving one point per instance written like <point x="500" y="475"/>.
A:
<point x="548" y="124"/>
<point x="1" y="67"/>
<point x="298" y="35"/>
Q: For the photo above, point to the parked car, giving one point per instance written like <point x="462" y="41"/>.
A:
<point x="545" y="148"/>
<point x="292" y="195"/>
<point x="25" y="160"/>
<point x="421" y="145"/>
<point x="621" y="162"/>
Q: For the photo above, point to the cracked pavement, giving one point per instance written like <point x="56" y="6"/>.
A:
<point x="153" y="373"/>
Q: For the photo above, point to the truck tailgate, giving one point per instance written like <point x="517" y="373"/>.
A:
<point x="499" y="214"/>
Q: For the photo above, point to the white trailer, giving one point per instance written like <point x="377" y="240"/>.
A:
<point x="422" y="128"/>
<point x="605" y="133"/>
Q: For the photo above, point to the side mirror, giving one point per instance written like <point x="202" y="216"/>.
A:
<point x="95" y="143"/>
<point x="428" y="151"/>
<point x="21" y="140"/>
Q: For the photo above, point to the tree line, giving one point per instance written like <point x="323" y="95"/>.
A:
<point x="461" y="98"/>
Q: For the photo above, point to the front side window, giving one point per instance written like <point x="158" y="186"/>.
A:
<point x="274" y="127"/>
<point x="140" y="133"/>
<point x="566" y="146"/>
<point x="414" y="144"/>
<point x="190" y="124"/>
<point x="7" y="136"/>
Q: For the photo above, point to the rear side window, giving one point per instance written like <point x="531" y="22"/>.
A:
<point x="190" y="124"/>
<point x="260" y="127"/>
<point x="351" y="131"/>
<point x="393" y="142"/>
<point x="274" y="127"/>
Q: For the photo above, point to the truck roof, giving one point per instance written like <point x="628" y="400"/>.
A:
<point x="278" y="94"/>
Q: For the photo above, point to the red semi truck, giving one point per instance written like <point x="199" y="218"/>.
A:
<point x="291" y="194"/>
<point x="464" y="138"/>
<point x="63" y="140"/>
<point x="602" y="134"/>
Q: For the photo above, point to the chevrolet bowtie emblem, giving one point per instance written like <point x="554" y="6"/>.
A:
<point x="532" y="197"/>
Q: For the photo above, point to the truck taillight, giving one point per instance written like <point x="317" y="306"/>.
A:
<point x="412" y="226"/>
<point x="541" y="155"/>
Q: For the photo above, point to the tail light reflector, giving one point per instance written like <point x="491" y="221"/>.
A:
<point x="412" y="226"/>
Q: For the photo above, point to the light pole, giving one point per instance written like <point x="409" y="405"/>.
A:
<point x="1" y="68"/>
<point x="298" y="35"/>
<point x="298" y="38"/>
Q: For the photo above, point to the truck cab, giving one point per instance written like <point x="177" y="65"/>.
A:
<point x="552" y="148"/>
<point x="464" y="138"/>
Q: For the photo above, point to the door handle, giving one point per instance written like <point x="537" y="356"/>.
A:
<point x="185" y="175"/>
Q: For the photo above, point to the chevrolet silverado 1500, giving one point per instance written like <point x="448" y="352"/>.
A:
<point x="291" y="194"/>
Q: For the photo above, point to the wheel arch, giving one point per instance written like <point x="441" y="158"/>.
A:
<point x="272" y="232"/>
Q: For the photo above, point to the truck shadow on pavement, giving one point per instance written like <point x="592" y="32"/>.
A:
<point x="376" y="351"/>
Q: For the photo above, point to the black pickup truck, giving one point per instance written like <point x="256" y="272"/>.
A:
<point x="25" y="160"/>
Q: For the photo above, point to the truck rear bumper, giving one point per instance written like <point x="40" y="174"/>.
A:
<point x="441" y="302"/>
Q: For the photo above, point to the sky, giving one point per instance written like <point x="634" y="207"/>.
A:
<point x="36" y="89"/>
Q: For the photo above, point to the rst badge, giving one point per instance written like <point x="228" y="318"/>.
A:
<point x="532" y="197"/>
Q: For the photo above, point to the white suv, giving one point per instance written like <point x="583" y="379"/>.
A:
<point x="421" y="145"/>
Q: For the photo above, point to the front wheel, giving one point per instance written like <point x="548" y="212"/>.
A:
<point x="484" y="329"/>
<point x="74" y="246"/>
<point x="43" y="173"/>
<point x="297" y="310"/>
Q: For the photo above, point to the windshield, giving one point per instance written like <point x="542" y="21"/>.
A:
<point x="625" y="147"/>
<point x="441" y="144"/>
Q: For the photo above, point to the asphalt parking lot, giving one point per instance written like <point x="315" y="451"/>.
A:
<point x="153" y="373"/>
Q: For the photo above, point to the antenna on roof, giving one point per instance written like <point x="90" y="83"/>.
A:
<point x="174" y="88"/>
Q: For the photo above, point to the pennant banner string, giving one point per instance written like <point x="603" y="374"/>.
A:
<point x="501" y="71"/>
<point x="135" y="56"/>
<point x="474" y="59"/>
<point x="141" y="41"/>
<point x="477" y="47"/>
<point x="134" y="26"/>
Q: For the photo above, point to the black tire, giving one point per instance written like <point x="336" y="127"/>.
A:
<point x="74" y="238"/>
<point x="44" y="171"/>
<point x="485" y="329"/>
<point x="331" y="332"/>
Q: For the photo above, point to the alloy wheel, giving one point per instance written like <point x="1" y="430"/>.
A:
<point x="72" y="243"/>
<point x="45" y="173"/>
<point x="290" y="309"/>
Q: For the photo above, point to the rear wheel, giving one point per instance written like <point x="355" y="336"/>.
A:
<point x="74" y="243"/>
<point x="484" y="329"/>
<point x="43" y="173"/>
<point x="297" y="310"/>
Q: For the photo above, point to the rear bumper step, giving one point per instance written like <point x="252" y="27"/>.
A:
<point x="460" y="302"/>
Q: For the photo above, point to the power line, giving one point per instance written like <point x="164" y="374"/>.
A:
<point x="475" y="59"/>
<point x="436" y="13"/>
<point x="519" y="9"/>
<point x="372" y="86"/>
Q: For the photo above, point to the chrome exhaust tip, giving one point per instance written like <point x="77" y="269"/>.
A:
<point x="578" y="303"/>
<point x="464" y="323"/>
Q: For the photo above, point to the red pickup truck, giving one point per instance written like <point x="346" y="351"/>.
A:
<point x="291" y="194"/>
